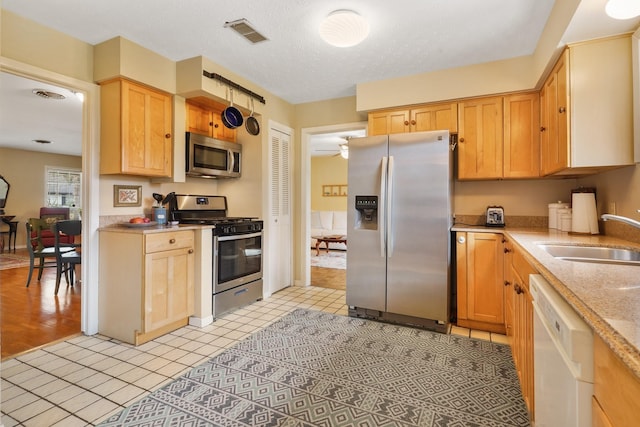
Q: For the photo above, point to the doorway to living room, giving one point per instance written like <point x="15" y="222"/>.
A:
<point x="324" y="196"/>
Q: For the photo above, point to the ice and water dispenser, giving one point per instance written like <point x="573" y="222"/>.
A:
<point x="366" y="213"/>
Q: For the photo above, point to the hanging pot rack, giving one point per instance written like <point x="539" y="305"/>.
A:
<point x="233" y="85"/>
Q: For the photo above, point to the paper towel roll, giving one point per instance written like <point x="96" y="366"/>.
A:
<point x="584" y="217"/>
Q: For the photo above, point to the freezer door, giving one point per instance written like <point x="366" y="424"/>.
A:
<point x="419" y="220"/>
<point x="366" y="262"/>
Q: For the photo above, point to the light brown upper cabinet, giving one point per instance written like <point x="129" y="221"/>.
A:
<point x="480" y="138"/>
<point x="554" y="119"/>
<point x="521" y="136"/>
<point x="135" y="132"/>
<point x="207" y="120"/>
<point x="587" y="109"/>
<point x="424" y="118"/>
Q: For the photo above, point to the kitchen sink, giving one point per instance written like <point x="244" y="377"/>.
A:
<point x="599" y="254"/>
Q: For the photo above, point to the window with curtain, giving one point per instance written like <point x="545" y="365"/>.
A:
<point x="63" y="187"/>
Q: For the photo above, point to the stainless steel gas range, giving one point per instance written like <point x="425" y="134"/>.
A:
<point x="237" y="249"/>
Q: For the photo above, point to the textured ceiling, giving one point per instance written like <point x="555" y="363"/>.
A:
<point x="407" y="37"/>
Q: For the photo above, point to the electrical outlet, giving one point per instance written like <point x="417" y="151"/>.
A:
<point x="612" y="208"/>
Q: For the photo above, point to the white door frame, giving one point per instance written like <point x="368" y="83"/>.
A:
<point x="305" y="190"/>
<point x="90" y="178"/>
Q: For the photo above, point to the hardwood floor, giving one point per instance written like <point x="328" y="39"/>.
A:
<point x="329" y="278"/>
<point x="32" y="317"/>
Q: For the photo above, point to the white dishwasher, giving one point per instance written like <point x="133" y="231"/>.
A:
<point x="563" y="360"/>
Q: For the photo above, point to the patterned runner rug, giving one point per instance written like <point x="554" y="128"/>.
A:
<point x="316" y="369"/>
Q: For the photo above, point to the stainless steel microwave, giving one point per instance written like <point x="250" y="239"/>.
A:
<point x="212" y="158"/>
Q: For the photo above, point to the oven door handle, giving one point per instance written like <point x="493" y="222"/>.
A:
<point x="239" y="236"/>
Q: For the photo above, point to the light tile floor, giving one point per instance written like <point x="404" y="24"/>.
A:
<point x="83" y="380"/>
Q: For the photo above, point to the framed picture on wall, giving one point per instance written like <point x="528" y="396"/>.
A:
<point x="127" y="195"/>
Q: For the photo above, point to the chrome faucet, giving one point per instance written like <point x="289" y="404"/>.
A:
<point x="629" y="221"/>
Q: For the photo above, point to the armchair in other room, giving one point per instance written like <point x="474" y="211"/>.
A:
<point x="50" y="216"/>
<point x="67" y="253"/>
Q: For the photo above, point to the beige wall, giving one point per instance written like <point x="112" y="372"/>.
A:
<point x="25" y="172"/>
<point x="327" y="170"/>
<point x="517" y="197"/>
<point x="34" y="44"/>
<point x="509" y="75"/>
<point x="621" y="186"/>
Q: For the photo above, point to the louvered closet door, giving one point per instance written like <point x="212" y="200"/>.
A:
<point x="279" y="234"/>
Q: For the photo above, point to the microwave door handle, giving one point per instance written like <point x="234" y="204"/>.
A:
<point x="232" y="161"/>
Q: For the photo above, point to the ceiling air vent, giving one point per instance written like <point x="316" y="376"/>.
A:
<point x="47" y="94"/>
<point x="242" y="27"/>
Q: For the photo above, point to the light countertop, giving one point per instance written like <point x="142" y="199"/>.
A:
<point x="121" y="228"/>
<point x="606" y="296"/>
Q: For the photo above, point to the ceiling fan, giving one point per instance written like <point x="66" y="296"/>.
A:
<point x="342" y="149"/>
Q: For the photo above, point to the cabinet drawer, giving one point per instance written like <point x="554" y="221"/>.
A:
<point x="168" y="240"/>
<point x="522" y="268"/>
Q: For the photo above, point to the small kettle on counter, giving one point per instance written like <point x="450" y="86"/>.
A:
<point x="495" y="216"/>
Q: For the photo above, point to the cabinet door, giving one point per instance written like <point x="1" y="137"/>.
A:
<point x="220" y="131"/>
<point x="146" y="131"/>
<point x="169" y="287"/>
<point x="522" y="136"/>
<point x="522" y="343"/>
<point x="388" y="122"/>
<point x="508" y="287"/>
<point x="480" y="138"/>
<point x="199" y="120"/>
<point x="479" y="281"/>
<point x="485" y="288"/>
<point x="435" y="117"/>
<point x="554" y="148"/>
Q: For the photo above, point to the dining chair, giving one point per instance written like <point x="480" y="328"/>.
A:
<point x="67" y="254"/>
<point x="45" y="255"/>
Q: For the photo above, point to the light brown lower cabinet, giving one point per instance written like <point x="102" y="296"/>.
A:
<point x="616" y="389"/>
<point x="522" y="340"/>
<point x="480" y="285"/>
<point x="146" y="283"/>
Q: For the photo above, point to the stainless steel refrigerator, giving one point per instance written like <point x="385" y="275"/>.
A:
<point x="399" y="219"/>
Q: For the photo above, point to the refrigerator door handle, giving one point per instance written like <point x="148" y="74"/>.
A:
<point x="388" y="216"/>
<point x="381" y="208"/>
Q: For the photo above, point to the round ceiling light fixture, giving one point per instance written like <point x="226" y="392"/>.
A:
<point x="623" y="9"/>
<point x="344" y="28"/>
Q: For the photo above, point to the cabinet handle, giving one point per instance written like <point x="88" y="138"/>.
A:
<point x="504" y="240"/>
<point x="542" y="128"/>
<point x="413" y="122"/>
<point x="172" y="241"/>
<point x="461" y="239"/>
<point x="562" y="110"/>
<point x="507" y="250"/>
<point x="461" y="140"/>
<point x="406" y="123"/>
<point x="167" y="135"/>
<point x="216" y="126"/>
<point x="518" y="289"/>
<point x="211" y="124"/>
<point x="190" y="251"/>
<point x="507" y="283"/>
